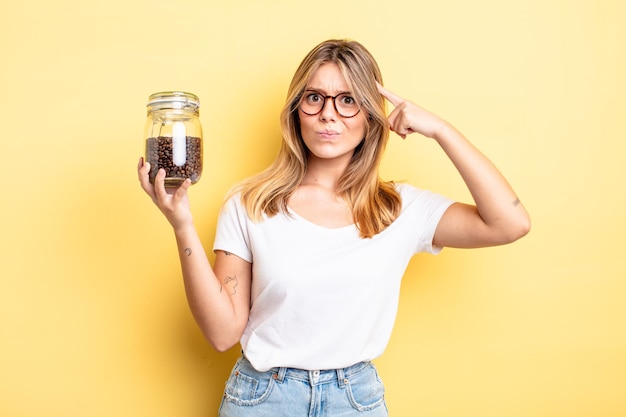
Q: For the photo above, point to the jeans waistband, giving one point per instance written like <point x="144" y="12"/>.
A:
<point x="317" y="377"/>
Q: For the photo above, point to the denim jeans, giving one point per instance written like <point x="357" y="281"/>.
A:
<point x="353" y="391"/>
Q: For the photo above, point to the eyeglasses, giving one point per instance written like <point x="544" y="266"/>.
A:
<point x="313" y="102"/>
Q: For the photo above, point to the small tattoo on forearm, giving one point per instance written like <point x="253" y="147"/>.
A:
<point x="516" y="202"/>
<point x="188" y="251"/>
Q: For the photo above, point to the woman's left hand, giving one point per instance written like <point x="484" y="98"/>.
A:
<point x="408" y="117"/>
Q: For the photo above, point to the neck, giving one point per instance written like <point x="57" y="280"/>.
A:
<point x="324" y="172"/>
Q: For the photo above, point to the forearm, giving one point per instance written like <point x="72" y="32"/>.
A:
<point x="221" y="312"/>
<point x="496" y="201"/>
<point x="211" y="306"/>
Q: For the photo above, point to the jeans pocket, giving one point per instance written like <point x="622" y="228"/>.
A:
<point x="247" y="386"/>
<point x="365" y="389"/>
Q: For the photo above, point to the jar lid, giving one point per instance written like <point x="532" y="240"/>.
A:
<point x="174" y="100"/>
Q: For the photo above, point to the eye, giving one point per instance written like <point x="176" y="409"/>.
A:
<point x="347" y="100"/>
<point x="314" y="98"/>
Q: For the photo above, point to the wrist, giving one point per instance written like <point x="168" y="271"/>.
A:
<point x="184" y="229"/>
<point x="444" y="133"/>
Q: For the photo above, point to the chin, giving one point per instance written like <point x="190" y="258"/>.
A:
<point x="331" y="155"/>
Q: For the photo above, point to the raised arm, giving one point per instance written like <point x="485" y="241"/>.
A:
<point x="219" y="297"/>
<point x="497" y="216"/>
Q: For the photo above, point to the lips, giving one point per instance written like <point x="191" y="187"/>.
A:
<point x="328" y="134"/>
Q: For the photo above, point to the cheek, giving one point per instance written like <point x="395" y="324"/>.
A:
<point x="303" y="128"/>
<point x="302" y="123"/>
<point x="305" y="131"/>
<point x="360" y="127"/>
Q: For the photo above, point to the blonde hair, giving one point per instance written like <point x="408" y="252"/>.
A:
<point x="375" y="204"/>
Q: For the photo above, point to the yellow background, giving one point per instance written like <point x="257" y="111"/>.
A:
<point x="93" y="320"/>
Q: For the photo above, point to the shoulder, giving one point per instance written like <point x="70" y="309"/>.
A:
<point x="413" y="196"/>
<point x="409" y="192"/>
<point x="233" y="199"/>
<point x="233" y="206"/>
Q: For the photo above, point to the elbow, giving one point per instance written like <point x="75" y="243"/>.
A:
<point x="223" y="342"/>
<point x="221" y="333"/>
<point x="523" y="227"/>
<point x="517" y="230"/>
<point x="222" y="347"/>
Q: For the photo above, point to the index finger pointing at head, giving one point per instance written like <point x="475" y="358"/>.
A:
<point x="393" y="99"/>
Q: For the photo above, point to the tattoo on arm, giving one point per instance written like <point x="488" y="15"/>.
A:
<point x="516" y="202"/>
<point x="188" y="251"/>
<point x="231" y="284"/>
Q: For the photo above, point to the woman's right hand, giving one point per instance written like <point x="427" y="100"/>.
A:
<point x="173" y="202"/>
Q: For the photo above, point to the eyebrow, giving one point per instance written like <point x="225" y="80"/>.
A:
<point x="325" y="93"/>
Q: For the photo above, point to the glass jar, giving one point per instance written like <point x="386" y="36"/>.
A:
<point x="174" y="137"/>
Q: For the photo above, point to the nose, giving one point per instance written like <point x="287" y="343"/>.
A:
<point x="328" y="109"/>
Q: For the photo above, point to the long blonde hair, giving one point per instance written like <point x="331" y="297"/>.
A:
<point x="375" y="203"/>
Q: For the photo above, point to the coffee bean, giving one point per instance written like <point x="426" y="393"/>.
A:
<point x="161" y="152"/>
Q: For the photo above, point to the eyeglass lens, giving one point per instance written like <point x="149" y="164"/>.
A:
<point x="313" y="102"/>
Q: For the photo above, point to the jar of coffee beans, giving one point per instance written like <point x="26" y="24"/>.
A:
<point x="174" y="137"/>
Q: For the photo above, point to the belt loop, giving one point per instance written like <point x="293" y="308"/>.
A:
<point x="280" y="376"/>
<point x="341" y="378"/>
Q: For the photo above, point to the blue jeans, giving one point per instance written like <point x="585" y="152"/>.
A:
<point x="353" y="391"/>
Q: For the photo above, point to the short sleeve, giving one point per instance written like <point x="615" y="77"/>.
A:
<point x="232" y="229"/>
<point x="422" y="210"/>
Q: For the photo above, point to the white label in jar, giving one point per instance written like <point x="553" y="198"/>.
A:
<point x="179" y="144"/>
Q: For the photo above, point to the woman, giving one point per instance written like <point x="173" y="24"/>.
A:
<point x="310" y="252"/>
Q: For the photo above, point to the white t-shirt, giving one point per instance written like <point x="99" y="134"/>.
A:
<point x="325" y="298"/>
